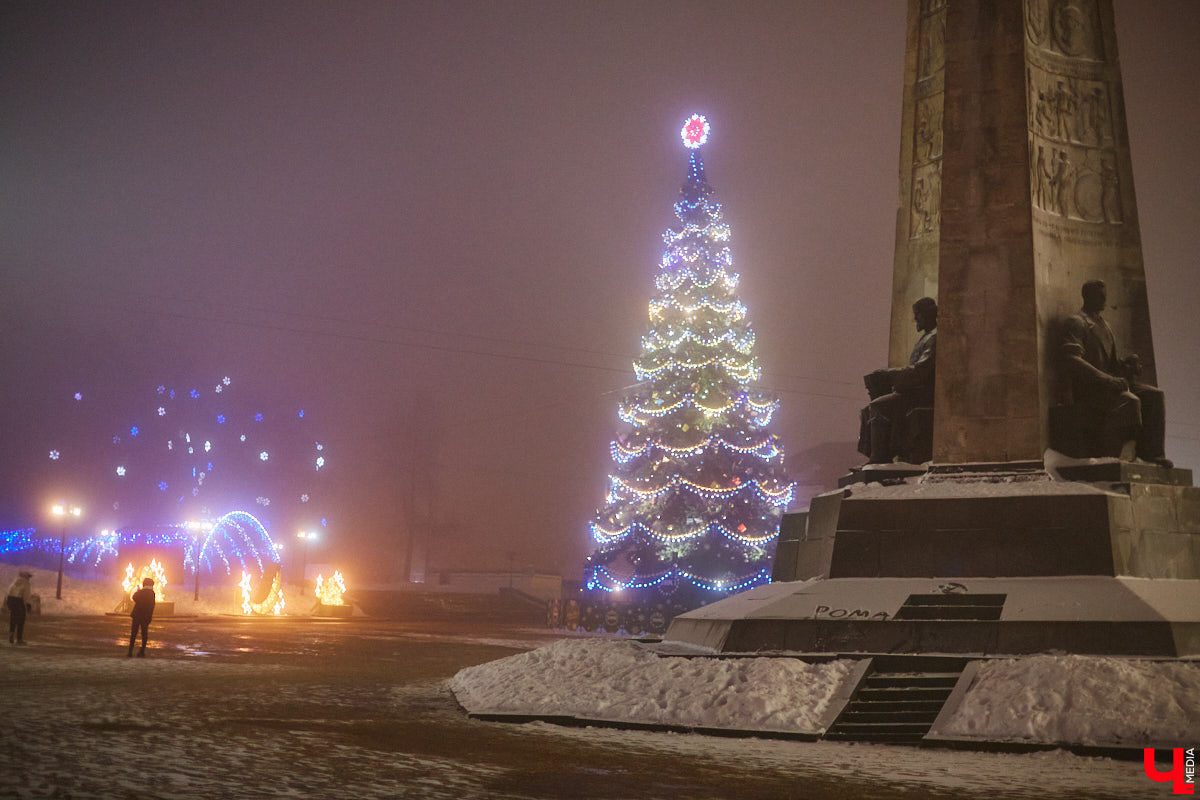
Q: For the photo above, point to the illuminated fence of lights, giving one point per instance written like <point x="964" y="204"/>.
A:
<point x="329" y="592"/>
<point x="153" y="571"/>
<point x="266" y="599"/>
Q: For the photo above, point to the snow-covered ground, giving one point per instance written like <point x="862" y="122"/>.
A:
<point x="101" y="597"/>
<point x="1082" y="700"/>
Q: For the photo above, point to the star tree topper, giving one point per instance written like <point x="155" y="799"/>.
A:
<point x="695" y="131"/>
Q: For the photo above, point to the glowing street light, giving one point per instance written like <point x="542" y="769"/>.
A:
<point x="199" y="528"/>
<point x="305" y="537"/>
<point x="63" y="510"/>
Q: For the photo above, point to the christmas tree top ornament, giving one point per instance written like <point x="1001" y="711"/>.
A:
<point x="695" y="131"/>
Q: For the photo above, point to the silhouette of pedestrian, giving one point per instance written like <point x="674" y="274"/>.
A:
<point x="143" y="611"/>
<point x="19" y="595"/>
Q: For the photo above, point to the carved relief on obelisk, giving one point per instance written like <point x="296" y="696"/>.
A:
<point x="915" y="267"/>
<point x="1015" y="188"/>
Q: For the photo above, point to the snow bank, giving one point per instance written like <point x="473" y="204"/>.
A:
<point x="620" y="680"/>
<point x="1087" y="700"/>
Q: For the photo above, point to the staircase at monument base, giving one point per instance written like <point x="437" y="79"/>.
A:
<point x="898" y="701"/>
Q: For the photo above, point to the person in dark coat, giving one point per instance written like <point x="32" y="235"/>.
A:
<point x="143" y="611"/>
<point x="18" y="602"/>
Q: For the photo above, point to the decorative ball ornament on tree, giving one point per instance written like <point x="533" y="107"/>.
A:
<point x="698" y="486"/>
<point x="695" y="131"/>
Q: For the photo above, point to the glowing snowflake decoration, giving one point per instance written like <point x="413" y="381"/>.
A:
<point x="324" y="522"/>
<point x="320" y="461"/>
<point x="225" y="380"/>
<point x="194" y="393"/>
<point x="320" y="446"/>
<point x="694" y="132"/>
<point x="220" y="419"/>
<point x="219" y="388"/>
<point x="116" y="440"/>
<point x="121" y="471"/>
<point x="162" y="486"/>
<point x="301" y="412"/>
<point x="54" y="454"/>
<point x="207" y="446"/>
<point x="133" y="431"/>
<point x="78" y="396"/>
<point x="190" y="451"/>
<point x="195" y="491"/>
<point x="162" y="412"/>
<point x="171" y="394"/>
<point x="263" y="456"/>
<point x="263" y="501"/>
<point x="303" y="498"/>
<point x="161" y="389"/>
<point x="258" y="417"/>
<point x="170" y="445"/>
<point x="243" y="437"/>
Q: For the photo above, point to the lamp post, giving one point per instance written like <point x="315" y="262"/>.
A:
<point x="201" y="528"/>
<point x="63" y="510"/>
<point x="305" y="537"/>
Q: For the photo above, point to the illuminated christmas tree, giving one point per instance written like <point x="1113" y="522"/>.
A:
<point x="698" y="485"/>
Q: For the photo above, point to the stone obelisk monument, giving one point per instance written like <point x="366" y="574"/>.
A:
<point x="1015" y="188"/>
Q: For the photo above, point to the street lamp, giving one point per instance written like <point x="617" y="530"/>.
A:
<point x="305" y="537"/>
<point x="63" y="510"/>
<point x="203" y="527"/>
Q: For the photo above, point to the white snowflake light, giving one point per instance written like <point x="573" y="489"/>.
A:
<point x="219" y="388"/>
<point x="303" y="498"/>
<point x="225" y="380"/>
<point x="263" y="456"/>
<point x="162" y="412"/>
<point x="54" y="455"/>
<point x="207" y="446"/>
<point x="78" y="396"/>
<point x="121" y="471"/>
<point x="320" y="461"/>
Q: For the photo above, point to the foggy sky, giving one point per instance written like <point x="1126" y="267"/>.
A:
<point x="436" y="226"/>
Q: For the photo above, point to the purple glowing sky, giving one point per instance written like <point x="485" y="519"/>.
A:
<point x="438" y="224"/>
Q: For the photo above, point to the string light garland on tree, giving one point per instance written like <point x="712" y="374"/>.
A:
<point x="698" y="486"/>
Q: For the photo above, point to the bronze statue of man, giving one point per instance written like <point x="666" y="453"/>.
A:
<point x="1121" y="416"/>
<point x="884" y="431"/>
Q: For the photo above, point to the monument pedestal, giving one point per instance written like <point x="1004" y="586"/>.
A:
<point x="985" y="561"/>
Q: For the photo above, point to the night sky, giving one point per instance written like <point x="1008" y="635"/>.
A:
<point x="435" y="226"/>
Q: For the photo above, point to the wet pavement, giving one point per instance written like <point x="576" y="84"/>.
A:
<point x="228" y="707"/>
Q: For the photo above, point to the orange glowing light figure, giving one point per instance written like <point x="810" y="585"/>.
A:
<point x="154" y="571"/>
<point x="263" y="603"/>
<point x="329" y="592"/>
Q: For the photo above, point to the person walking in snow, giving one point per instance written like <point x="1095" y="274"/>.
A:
<point x="19" y="595"/>
<point x="143" y="611"/>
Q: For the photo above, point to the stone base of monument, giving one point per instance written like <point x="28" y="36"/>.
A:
<point x="981" y="559"/>
<point x="926" y="577"/>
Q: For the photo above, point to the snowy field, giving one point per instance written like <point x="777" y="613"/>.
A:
<point x="231" y="709"/>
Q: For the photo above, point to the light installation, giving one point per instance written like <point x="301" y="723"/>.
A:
<point x="698" y="485"/>
<point x="329" y="592"/>
<point x="154" y="571"/>
<point x="265" y="599"/>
